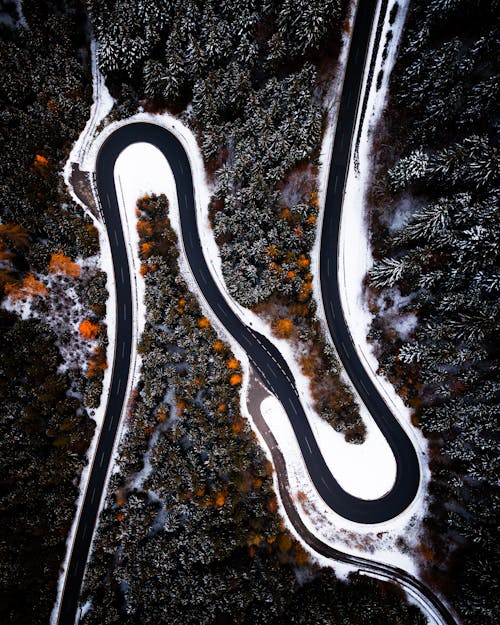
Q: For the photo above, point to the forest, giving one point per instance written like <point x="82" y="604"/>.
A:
<point x="190" y="532"/>
<point x="46" y="276"/>
<point x="435" y="222"/>
<point x="249" y="78"/>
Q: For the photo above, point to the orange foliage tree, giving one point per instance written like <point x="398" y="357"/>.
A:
<point x="97" y="362"/>
<point x="145" y="229"/>
<point x="235" y="379"/>
<point x="238" y="424"/>
<point x="305" y="291"/>
<point x="144" y="269"/>
<point x="203" y="323"/>
<point x="232" y="363"/>
<point x="146" y="249"/>
<point x="59" y="263"/>
<point x="40" y="164"/>
<point x="282" y="327"/>
<point x="89" y="330"/>
<point x="285" y="214"/>
<point x="303" y="262"/>
<point x="14" y="234"/>
<point x="284" y="543"/>
<point x="29" y="287"/>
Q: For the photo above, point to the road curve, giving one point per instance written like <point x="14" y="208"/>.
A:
<point x="264" y="356"/>
<point x="408" y="470"/>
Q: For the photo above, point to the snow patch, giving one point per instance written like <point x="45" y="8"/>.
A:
<point x="21" y="20"/>
<point x="374" y="542"/>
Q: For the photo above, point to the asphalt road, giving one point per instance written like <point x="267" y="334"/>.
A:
<point x="265" y="358"/>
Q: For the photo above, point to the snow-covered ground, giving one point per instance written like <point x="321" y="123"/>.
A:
<point x="63" y="311"/>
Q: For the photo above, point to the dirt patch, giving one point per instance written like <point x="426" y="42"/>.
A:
<point x="82" y="187"/>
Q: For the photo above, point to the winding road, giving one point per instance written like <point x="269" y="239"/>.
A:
<point x="264" y="356"/>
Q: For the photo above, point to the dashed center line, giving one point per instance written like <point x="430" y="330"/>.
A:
<point x="308" y="445"/>
<point x="325" y="483"/>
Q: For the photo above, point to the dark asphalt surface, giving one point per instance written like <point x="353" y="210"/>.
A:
<point x="265" y="358"/>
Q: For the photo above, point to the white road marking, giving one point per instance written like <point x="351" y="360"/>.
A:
<point x="308" y="445"/>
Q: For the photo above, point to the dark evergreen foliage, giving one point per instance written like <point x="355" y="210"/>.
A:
<point x="44" y="103"/>
<point x="445" y="258"/>
<point x="189" y="534"/>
